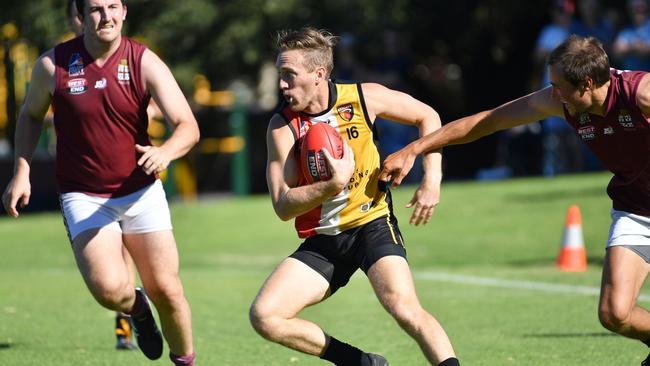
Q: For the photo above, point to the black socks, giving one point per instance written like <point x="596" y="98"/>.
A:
<point x="140" y="306"/>
<point x="452" y="361"/>
<point x="342" y="354"/>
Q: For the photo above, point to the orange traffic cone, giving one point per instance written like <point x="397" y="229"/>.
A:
<point x="573" y="257"/>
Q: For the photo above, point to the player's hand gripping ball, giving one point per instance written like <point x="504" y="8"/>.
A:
<point x="314" y="165"/>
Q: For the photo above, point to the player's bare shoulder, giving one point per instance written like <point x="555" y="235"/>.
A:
<point x="279" y="136"/>
<point x="41" y="87"/>
<point x="278" y="126"/>
<point x="277" y="121"/>
<point x="154" y="70"/>
<point x="43" y="72"/>
<point x="373" y="92"/>
<point x="378" y="99"/>
<point x="151" y="59"/>
<point x="373" y="88"/>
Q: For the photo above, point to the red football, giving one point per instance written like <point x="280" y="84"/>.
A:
<point x="319" y="136"/>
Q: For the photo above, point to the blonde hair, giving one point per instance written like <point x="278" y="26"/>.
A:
<point x="315" y="44"/>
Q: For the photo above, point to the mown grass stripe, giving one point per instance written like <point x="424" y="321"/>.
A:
<point x="511" y="284"/>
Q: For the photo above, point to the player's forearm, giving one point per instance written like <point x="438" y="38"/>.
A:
<point x="185" y="136"/>
<point x="457" y="132"/>
<point x="432" y="167"/>
<point x="431" y="161"/>
<point x="300" y="200"/>
<point x="28" y="131"/>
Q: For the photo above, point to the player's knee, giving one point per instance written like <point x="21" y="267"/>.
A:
<point x="113" y="295"/>
<point x="264" y="321"/>
<point x="406" y="313"/>
<point x="614" y="316"/>
<point x="165" y="296"/>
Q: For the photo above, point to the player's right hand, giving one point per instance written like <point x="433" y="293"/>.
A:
<point x="397" y="165"/>
<point x="17" y="194"/>
<point x="341" y="169"/>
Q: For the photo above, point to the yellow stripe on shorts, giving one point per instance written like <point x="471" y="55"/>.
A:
<point x="392" y="232"/>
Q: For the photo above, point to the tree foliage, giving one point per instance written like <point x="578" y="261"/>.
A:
<point x="223" y="39"/>
<point x="227" y="40"/>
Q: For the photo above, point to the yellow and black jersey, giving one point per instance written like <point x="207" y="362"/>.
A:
<point x="362" y="200"/>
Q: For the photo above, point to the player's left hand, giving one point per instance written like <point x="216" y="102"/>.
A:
<point x="396" y="166"/>
<point x="153" y="159"/>
<point x="425" y="200"/>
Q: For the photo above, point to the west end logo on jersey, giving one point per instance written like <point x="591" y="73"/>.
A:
<point x="123" y="74"/>
<point x="77" y="86"/>
<point x="75" y="65"/>
<point x="346" y="112"/>
<point x="584" y="118"/>
<point x="625" y="120"/>
<point x="100" y="84"/>
<point x="587" y="133"/>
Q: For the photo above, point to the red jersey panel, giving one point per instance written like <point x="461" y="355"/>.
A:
<point x="100" y="113"/>
<point x="621" y="141"/>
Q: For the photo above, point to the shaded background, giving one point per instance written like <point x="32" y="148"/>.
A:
<point x="458" y="56"/>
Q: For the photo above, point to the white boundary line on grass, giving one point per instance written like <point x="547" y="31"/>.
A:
<point x="511" y="284"/>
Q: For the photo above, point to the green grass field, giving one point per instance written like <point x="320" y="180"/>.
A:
<point x="484" y="267"/>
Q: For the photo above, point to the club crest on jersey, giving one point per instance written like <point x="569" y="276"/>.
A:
<point x="75" y="65"/>
<point x="584" y="118"/>
<point x="123" y="74"/>
<point x="100" y="84"/>
<point x="77" y="86"/>
<point x="625" y="120"/>
<point x="587" y="133"/>
<point x="346" y="112"/>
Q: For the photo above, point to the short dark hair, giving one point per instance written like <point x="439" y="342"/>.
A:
<point x="68" y="9"/>
<point x="81" y="5"/>
<point x="580" y="58"/>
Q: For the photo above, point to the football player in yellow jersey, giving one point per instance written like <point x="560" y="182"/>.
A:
<point x="324" y="262"/>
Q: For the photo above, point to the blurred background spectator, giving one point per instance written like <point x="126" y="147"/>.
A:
<point x="592" y="20"/>
<point x="632" y="46"/>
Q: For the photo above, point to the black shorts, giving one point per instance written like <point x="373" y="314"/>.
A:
<point x="337" y="257"/>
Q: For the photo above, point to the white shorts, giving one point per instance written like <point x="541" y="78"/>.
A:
<point x="628" y="229"/>
<point x="143" y="211"/>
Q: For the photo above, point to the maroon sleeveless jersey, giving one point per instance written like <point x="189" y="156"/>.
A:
<point x="100" y="113"/>
<point x="621" y="141"/>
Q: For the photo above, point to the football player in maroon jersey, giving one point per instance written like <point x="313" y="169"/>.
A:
<point x="609" y="110"/>
<point x="123" y="324"/>
<point x="100" y="85"/>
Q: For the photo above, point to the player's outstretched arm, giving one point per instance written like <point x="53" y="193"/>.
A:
<point x="403" y="108"/>
<point x="530" y="108"/>
<point x="28" y="130"/>
<point x="165" y="91"/>
<point x="282" y="172"/>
